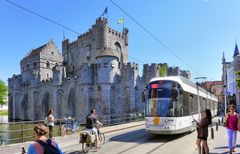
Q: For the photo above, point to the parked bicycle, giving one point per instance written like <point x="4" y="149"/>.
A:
<point x="87" y="138"/>
<point x="70" y="127"/>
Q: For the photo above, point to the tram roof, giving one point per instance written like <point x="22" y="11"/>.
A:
<point x="184" y="82"/>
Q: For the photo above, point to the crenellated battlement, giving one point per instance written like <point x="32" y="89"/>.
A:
<point x="130" y="65"/>
<point x="116" y="33"/>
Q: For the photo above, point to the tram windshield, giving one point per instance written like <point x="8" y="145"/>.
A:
<point x="164" y="99"/>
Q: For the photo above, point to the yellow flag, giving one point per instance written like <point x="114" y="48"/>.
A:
<point x="120" y="21"/>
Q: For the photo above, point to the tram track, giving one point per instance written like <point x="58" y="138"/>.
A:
<point x="162" y="141"/>
<point x="136" y="141"/>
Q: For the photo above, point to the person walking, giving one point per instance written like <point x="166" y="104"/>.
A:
<point x="40" y="132"/>
<point x="202" y="130"/>
<point x="231" y="122"/>
<point x="50" y="123"/>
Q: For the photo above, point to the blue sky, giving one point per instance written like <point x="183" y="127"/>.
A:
<point x="198" y="31"/>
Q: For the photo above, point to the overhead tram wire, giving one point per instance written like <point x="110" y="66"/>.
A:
<point x="154" y="37"/>
<point x="49" y="20"/>
<point x="56" y="23"/>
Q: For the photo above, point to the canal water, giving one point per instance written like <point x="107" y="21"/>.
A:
<point x="12" y="133"/>
<point x="3" y="118"/>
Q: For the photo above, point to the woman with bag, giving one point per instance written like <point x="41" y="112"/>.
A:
<point x="231" y="123"/>
<point x="202" y="130"/>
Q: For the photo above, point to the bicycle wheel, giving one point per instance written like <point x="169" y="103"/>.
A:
<point x="101" y="137"/>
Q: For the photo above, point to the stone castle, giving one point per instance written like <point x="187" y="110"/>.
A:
<point x="92" y="71"/>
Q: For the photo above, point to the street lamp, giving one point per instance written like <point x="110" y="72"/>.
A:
<point x="199" y="107"/>
<point x="225" y="99"/>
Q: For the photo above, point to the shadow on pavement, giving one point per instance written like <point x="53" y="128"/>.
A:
<point x="222" y="147"/>
<point x="227" y="150"/>
<point x="130" y="136"/>
<point x="140" y="135"/>
<point x="74" y="152"/>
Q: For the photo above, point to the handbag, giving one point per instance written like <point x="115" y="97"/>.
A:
<point x="225" y="124"/>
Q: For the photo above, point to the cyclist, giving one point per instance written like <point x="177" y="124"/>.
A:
<point x="91" y="123"/>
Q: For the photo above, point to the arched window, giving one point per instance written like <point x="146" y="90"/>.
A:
<point x="47" y="64"/>
<point x="117" y="46"/>
<point x="34" y="64"/>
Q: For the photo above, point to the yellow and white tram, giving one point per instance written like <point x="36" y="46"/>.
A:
<point x="173" y="102"/>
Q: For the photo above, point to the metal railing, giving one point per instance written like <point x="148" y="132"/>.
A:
<point x="19" y="132"/>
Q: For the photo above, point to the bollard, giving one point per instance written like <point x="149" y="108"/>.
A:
<point x="216" y="126"/>
<point x="218" y="122"/>
<point x="1" y="140"/>
<point x="212" y="133"/>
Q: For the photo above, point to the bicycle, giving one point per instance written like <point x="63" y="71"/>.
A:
<point x="70" y="128"/>
<point x="87" y="138"/>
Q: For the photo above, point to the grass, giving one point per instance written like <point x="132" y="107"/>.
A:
<point x="4" y="112"/>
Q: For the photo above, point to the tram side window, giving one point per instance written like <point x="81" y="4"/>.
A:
<point x="202" y="104"/>
<point x="180" y="104"/>
<point x="208" y="104"/>
<point x="193" y="104"/>
<point x="186" y="104"/>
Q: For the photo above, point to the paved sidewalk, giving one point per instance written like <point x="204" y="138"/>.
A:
<point x="68" y="140"/>
<point x="219" y="145"/>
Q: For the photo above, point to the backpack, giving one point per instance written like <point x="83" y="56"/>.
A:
<point x="90" y="138"/>
<point x="48" y="147"/>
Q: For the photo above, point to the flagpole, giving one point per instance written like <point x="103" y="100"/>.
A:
<point x="123" y="22"/>
<point x="107" y="13"/>
<point x="63" y="35"/>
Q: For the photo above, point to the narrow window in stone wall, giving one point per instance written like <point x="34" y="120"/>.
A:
<point x="47" y="64"/>
<point x="34" y="64"/>
<point x="47" y="76"/>
<point x="119" y="65"/>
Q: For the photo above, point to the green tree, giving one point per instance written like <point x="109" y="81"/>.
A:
<point x="3" y="92"/>
<point x="163" y="70"/>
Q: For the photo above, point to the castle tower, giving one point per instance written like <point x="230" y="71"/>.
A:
<point x="89" y="45"/>
<point x="39" y="62"/>
<point x="109" y="67"/>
